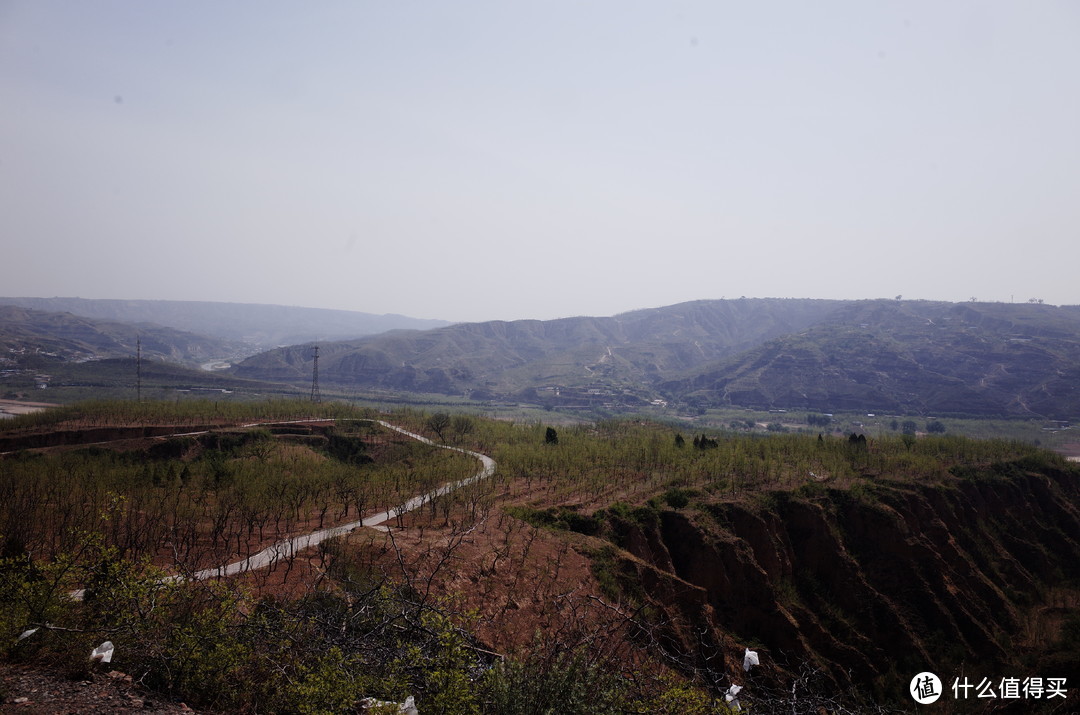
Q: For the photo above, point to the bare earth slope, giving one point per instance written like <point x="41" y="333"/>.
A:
<point x="882" y="583"/>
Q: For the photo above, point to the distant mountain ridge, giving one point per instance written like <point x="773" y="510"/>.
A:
<point x="259" y="326"/>
<point x="919" y="357"/>
<point x="630" y="351"/>
<point x="73" y="338"/>
<point x="905" y="357"/>
<point x="910" y="357"/>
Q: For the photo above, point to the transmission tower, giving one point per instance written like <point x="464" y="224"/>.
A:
<point x="315" y="396"/>
<point x="138" y="367"/>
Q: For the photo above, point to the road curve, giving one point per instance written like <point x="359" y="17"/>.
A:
<point x="290" y="547"/>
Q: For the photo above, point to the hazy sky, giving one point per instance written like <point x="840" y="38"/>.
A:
<point x="480" y="160"/>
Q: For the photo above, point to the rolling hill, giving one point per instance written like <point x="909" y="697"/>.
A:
<point x="257" y="327"/>
<point x="625" y="354"/>
<point x="73" y="338"/>
<point x="916" y="357"/>
<point x="910" y="357"/>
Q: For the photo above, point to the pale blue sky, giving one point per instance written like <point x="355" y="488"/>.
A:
<point x="482" y="160"/>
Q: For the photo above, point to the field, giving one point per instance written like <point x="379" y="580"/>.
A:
<point x="523" y="587"/>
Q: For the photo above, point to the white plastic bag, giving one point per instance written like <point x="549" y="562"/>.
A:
<point x="103" y="652"/>
<point x="406" y="708"/>
<point x="730" y="697"/>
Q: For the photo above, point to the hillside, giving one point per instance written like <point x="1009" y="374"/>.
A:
<point x="916" y="357"/>
<point x="619" y="357"/>
<point x="874" y="356"/>
<point x="258" y="327"/>
<point x="67" y="337"/>
<point x="886" y="578"/>
<point x="910" y="358"/>
<point x="613" y="569"/>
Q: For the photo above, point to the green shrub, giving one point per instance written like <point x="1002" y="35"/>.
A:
<point x="561" y="517"/>
<point x="677" y="498"/>
<point x="350" y="450"/>
<point x="553" y="683"/>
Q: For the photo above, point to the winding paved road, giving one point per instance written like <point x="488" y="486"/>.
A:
<point x="290" y="547"/>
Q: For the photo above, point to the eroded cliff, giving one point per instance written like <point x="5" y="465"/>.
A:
<point x="877" y="582"/>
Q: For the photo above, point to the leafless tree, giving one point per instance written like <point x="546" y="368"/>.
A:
<point x="438" y="423"/>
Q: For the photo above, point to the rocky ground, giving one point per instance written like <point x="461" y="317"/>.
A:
<point x="27" y="689"/>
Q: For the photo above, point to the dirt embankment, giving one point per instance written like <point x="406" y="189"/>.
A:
<point x="876" y="585"/>
<point x="58" y="438"/>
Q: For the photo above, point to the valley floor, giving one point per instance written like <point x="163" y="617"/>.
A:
<point x="10" y="408"/>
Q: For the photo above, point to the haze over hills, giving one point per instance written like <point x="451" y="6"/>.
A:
<point x="917" y="357"/>
<point x="906" y="357"/>
<point x="627" y="352"/>
<point x="260" y="327"/>
<point x="73" y="338"/>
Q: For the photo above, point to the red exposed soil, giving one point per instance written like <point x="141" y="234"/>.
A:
<point x="34" y="691"/>
<point x="849" y="584"/>
<point x="516" y="579"/>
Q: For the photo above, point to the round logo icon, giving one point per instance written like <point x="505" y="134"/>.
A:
<point x="925" y="688"/>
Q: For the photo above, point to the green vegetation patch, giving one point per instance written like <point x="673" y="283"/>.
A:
<point x="561" y="517"/>
<point x="616" y="576"/>
<point x="347" y="449"/>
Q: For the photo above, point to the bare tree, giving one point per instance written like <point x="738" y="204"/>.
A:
<point x="438" y="423"/>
